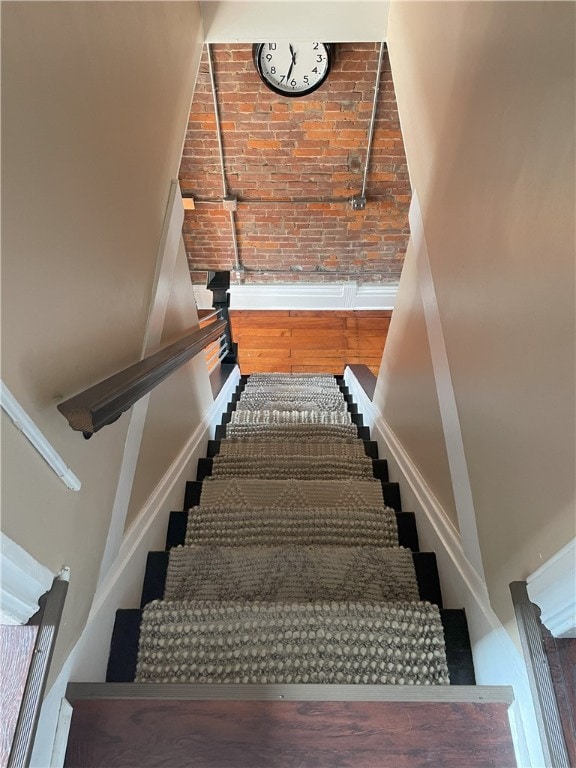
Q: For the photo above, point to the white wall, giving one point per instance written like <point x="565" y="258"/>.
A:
<point x="95" y="101"/>
<point x="486" y="99"/>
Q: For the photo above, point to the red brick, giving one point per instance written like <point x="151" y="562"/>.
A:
<point x="297" y="148"/>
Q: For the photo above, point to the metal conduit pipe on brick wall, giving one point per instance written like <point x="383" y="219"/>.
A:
<point x="237" y="265"/>
<point x="293" y="166"/>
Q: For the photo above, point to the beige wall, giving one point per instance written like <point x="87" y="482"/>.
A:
<point x="406" y="390"/>
<point x="177" y="405"/>
<point x="486" y="99"/>
<point x="95" y="99"/>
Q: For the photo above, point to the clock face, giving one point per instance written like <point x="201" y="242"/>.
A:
<point x="293" y="69"/>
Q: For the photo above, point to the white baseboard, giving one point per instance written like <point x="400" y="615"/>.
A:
<point x="311" y="296"/>
<point x="122" y="586"/>
<point x="23" y="582"/>
<point x="497" y="660"/>
<point x="61" y="735"/>
<point x="553" y="589"/>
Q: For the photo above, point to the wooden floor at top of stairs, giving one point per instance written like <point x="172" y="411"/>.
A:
<point x="302" y="341"/>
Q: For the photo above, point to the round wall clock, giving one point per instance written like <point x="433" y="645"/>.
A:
<point x="293" y="69"/>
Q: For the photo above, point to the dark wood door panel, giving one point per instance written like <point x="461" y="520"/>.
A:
<point x="16" y="649"/>
<point x="289" y="734"/>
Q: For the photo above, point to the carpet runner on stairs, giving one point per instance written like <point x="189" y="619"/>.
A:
<point x="228" y="641"/>
<point x="306" y="468"/>
<point x="291" y="431"/>
<point x="239" y="492"/>
<point x="264" y="526"/>
<point x="291" y="573"/>
<point x="276" y="416"/>
<point x="232" y="448"/>
<point x="290" y="569"/>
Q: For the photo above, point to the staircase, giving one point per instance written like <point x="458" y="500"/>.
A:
<point x="292" y="575"/>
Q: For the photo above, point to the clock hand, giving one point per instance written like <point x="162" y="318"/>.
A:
<point x="291" y="63"/>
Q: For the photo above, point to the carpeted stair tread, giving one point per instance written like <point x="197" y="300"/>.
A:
<point x="295" y="401"/>
<point x="327" y="382"/>
<point x="369" y="447"/>
<point x="405" y="521"/>
<point x="305" y="468"/>
<point x="286" y="432"/>
<point x="126" y="635"/>
<point x="458" y="648"/>
<point x="392" y="497"/>
<point x="321" y="642"/>
<point x="255" y="448"/>
<point x="289" y="389"/>
<point x="291" y="417"/>
<point x="238" y="492"/>
<point x="155" y="574"/>
<point x="123" y="655"/>
<point x="278" y="526"/>
<point x="407" y="530"/>
<point x="291" y="574"/>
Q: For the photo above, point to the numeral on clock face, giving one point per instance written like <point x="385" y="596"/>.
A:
<point x="293" y="68"/>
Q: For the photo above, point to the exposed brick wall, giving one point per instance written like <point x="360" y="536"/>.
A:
<point x="286" y="149"/>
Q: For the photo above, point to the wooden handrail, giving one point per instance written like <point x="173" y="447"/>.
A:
<point x="105" y="402"/>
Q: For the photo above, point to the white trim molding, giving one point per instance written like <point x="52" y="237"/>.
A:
<point x="305" y="296"/>
<point x="444" y="529"/>
<point x="24" y="581"/>
<point x="453" y="439"/>
<point x="24" y="423"/>
<point x="160" y="295"/>
<point x="497" y="660"/>
<point x="553" y="589"/>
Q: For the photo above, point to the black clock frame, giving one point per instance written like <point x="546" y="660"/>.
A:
<point x="256" y="50"/>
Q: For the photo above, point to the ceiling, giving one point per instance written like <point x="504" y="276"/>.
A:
<point x="253" y="21"/>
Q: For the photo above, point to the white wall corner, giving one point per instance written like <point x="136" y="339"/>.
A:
<point x="553" y="589"/>
<point x="24" y="581"/>
<point x="497" y="660"/>
<point x="305" y="296"/>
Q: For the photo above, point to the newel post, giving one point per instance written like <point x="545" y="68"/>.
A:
<point x="219" y="284"/>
